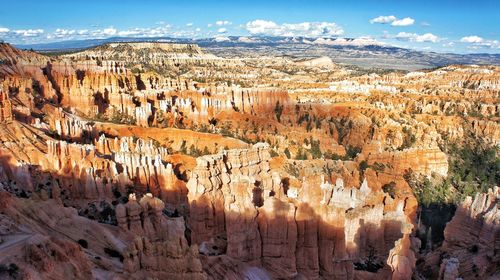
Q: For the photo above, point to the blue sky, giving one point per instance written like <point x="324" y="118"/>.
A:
<point x="444" y="26"/>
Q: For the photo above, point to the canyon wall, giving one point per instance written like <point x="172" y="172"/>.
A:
<point x="319" y="230"/>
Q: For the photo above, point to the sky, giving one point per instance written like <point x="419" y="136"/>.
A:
<point x="440" y="25"/>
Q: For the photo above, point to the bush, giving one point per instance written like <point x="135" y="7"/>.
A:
<point x="183" y="148"/>
<point x="330" y="155"/>
<point x="273" y="153"/>
<point x="352" y="152"/>
<point x="12" y="269"/>
<point x="315" y="149"/>
<point x="428" y="193"/>
<point x="287" y="153"/>
<point x="408" y="139"/>
<point x="120" y="118"/>
<point x="113" y="253"/>
<point x="83" y="243"/>
<point x="278" y="110"/>
<point x="301" y="155"/>
<point x="474" y="167"/>
<point x="194" y="151"/>
<point x="379" y="167"/>
<point x="474" y="249"/>
<point x="363" y="166"/>
<point x="390" y="188"/>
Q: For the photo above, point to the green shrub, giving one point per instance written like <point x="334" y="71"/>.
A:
<point x="390" y="188"/>
<point x="409" y="139"/>
<point x="278" y="110"/>
<point x="301" y="155"/>
<point x="363" y="166"/>
<point x="273" y="153"/>
<point x="287" y="153"/>
<point x="352" y="152"/>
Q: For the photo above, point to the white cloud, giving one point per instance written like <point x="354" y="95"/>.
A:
<point x="209" y="25"/>
<point x="403" y="22"/>
<point x="223" y="22"/>
<point x="260" y="26"/>
<point x="60" y="33"/>
<point x="28" y="32"/>
<point x="383" y="19"/>
<point x="129" y="33"/>
<point x="109" y="31"/>
<point x="308" y="29"/>
<point x="492" y="44"/>
<point x="405" y="35"/>
<point x="189" y="24"/>
<point x="471" y="39"/>
<point x="222" y="30"/>
<point x="414" y="37"/>
<point x="427" y="37"/>
<point x="394" y="21"/>
<point x="477" y="42"/>
<point x="158" y="31"/>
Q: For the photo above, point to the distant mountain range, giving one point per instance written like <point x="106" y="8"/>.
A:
<point x="362" y="52"/>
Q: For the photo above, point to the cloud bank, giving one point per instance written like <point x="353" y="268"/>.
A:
<point x="306" y="29"/>
<point x="414" y="37"/>
<point x="394" y="21"/>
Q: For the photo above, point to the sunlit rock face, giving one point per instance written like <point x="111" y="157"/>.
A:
<point x="163" y="161"/>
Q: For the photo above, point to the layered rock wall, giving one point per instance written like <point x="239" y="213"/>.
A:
<point x="471" y="237"/>
<point x="317" y="231"/>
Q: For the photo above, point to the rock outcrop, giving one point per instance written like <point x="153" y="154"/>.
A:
<point x="470" y="247"/>
<point x="5" y="108"/>
<point x="211" y="182"/>
<point x="160" y="248"/>
<point x="320" y="231"/>
<point x="471" y="236"/>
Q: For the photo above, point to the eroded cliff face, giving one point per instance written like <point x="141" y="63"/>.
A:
<point x="48" y="240"/>
<point x="470" y="248"/>
<point x="316" y="230"/>
<point x="160" y="248"/>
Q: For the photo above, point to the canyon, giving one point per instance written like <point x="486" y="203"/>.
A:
<point x="154" y="160"/>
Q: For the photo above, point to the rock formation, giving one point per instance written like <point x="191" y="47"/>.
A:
<point x="287" y="236"/>
<point x="159" y="248"/>
<point x="5" y="108"/>
<point x="470" y="239"/>
<point x="160" y="160"/>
